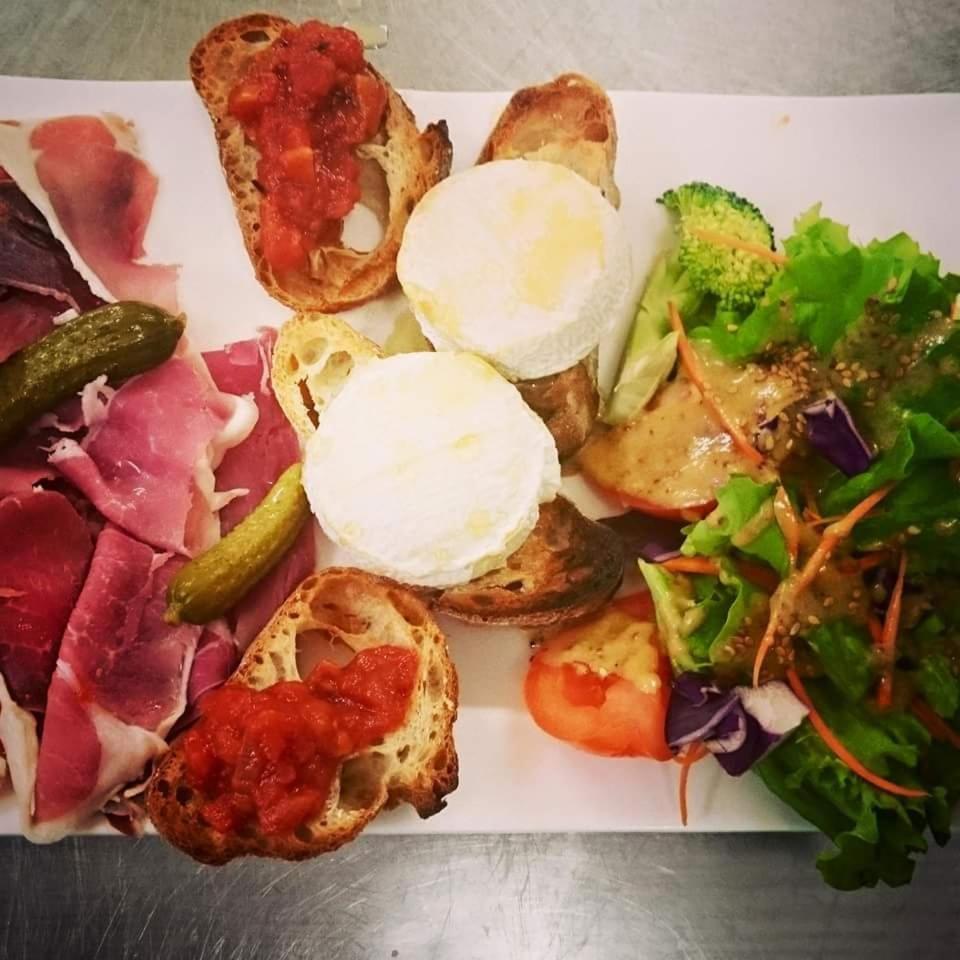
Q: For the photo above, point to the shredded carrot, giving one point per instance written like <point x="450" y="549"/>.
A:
<point x="838" y="531"/>
<point x="938" y="727"/>
<point x="693" y="753"/>
<point x="888" y="636"/>
<point x="836" y="745"/>
<point x="875" y="626"/>
<point x="824" y="521"/>
<point x="835" y="534"/>
<point x="787" y="520"/>
<point x="769" y="636"/>
<point x="691" y="364"/>
<point x="867" y="562"/>
<point x="691" y="565"/>
<point x="757" y="249"/>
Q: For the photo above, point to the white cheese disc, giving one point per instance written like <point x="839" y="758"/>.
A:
<point x="429" y="468"/>
<point x="519" y="261"/>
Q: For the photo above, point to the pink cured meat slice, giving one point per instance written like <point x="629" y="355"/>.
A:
<point x="254" y="465"/>
<point x="145" y="462"/>
<point x="46" y="547"/>
<point x="103" y="196"/>
<point x="119" y="685"/>
<point x="25" y="318"/>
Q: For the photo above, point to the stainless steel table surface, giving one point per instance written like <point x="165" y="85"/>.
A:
<point x="463" y="897"/>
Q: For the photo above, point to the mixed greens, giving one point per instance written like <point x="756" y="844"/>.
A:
<point x="828" y="569"/>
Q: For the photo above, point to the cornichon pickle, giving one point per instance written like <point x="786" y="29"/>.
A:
<point x="119" y="340"/>
<point x="208" y="586"/>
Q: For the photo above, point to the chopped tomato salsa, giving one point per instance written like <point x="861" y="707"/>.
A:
<point x="305" y="103"/>
<point x="268" y="757"/>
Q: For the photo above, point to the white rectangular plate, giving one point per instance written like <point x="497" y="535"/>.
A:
<point x="881" y="164"/>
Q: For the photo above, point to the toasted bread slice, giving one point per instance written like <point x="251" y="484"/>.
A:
<point x="568" y="567"/>
<point x="411" y="162"/>
<point x="567" y="121"/>
<point x="568" y="403"/>
<point x="416" y="764"/>
<point x="312" y="359"/>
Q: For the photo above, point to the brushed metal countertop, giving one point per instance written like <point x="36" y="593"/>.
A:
<point x="606" y="896"/>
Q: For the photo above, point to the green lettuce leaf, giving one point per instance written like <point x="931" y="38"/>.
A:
<point x="846" y="654"/>
<point x="939" y="684"/>
<point x="651" y="349"/>
<point x="698" y="615"/>
<point x="822" y="291"/>
<point x="876" y="835"/>
<point x="733" y="524"/>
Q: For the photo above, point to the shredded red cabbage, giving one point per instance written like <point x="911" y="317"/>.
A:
<point x="833" y="434"/>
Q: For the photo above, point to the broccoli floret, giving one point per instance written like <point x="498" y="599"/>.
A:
<point x="736" y="277"/>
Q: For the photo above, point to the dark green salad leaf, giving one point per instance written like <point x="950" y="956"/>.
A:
<point x="743" y="521"/>
<point x="847" y="656"/>
<point x="876" y="834"/>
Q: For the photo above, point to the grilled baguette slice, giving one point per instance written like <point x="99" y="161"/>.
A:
<point x="411" y="162"/>
<point x="416" y="764"/>
<point x="313" y="356"/>
<point x="567" y="121"/>
<point x="568" y="567"/>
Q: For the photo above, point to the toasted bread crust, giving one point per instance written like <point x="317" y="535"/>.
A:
<point x="568" y="567"/>
<point x="410" y="162"/>
<point x="568" y="403"/>
<point x="313" y="356"/>
<point x="416" y="764"/>
<point x="568" y="120"/>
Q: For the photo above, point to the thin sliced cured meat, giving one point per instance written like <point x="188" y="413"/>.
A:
<point x="147" y="461"/>
<point x="24" y="464"/>
<point x="103" y="194"/>
<point x="24" y="318"/>
<point x="254" y="466"/>
<point x="119" y="686"/>
<point x="32" y="259"/>
<point x="46" y="547"/>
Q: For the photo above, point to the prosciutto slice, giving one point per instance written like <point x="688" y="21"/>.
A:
<point x="119" y="685"/>
<point x="37" y="279"/>
<point x="253" y="466"/>
<point x="102" y="194"/>
<point x="32" y="259"/>
<point x="147" y="460"/>
<point x="46" y="547"/>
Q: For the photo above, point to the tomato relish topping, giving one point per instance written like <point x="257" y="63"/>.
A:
<point x="267" y="758"/>
<point x="305" y="103"/>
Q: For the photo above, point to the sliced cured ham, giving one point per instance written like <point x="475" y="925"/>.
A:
<point x="254" y="465"/>
<point x="24" y="318"/>
<point x="45" y="547"/>
<point x="147" y="460"/>
<point x="32" y="259"/>
<point x="119" y="686"/>
<point x="37" y="279"/>
<point x="103" y="194"/>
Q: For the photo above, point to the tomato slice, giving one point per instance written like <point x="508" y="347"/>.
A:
<point x="604" y="685"/>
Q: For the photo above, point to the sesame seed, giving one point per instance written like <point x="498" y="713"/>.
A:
<point x="795" y="629"/>
<point x="828" y="601"/>
<point x="913" y="530"/>
<point x="813" y="621"/>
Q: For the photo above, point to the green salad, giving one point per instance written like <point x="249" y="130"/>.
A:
<point x="794" y="409"/>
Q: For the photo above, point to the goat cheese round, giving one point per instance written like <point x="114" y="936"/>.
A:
<point x="519" y="261"/>
<point x="429" y="468"/>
